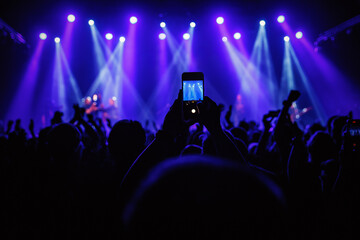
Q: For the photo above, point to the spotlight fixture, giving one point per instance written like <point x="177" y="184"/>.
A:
<point x="122" y="39"/>
<point x="57" y="39"/>
<point x="281" y="19"/>
<point x="133" y="20"/>
<point x="192" y="24"/>
<point x="162" y="24"/>
<point x="71" y="18"/>
<point x="186" y="36"/>
<point x="286" y="38"/>
<point x="224" y="39"/>
<point x="220" y="20"/>
<point x="162" y="36"/>
<point x="299" y="35"/>
<point x="42" y="36"/>
<point x="237" y="35"/>
<point x="262" y="23"/>
<point x="109" y="36"/>
<point x="91" y="22"/>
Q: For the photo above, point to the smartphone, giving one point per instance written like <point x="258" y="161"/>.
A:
<point x="193" y="92"/>
<point x="351" y="134"/>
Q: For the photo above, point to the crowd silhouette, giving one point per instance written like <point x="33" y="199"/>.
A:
<point x="218" y="180"/>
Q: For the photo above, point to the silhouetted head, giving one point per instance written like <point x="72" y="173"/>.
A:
<point x="191" y="149"/>
<point x="57" y="118"/>
<point x="336" y="129"/>
<point x="321" y="147"/>
<point x="201" y="197"/>
<point x="245" y="125"/>
<point x="126" y="141"/>
<point x="241" y="133"/>
<point x="64" y="141"/>
<point x="311" y="129"/>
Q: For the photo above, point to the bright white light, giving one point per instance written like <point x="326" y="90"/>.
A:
<point x="193" y="110"/>
<point x="162" y="24"/>
<point x="109" y="36"/>
<point x="91" y="22"/>
<point x="299" y="35"/>
<point x="262" y="23"/>
<point x="133" y="20"/>
<point x="162" y="36"/>
<point x="224" y="39"/>
<point x="122" y="39"/>
<point x="42" y="36"/>
<point x="186" y="36"/>
<point x="220" y="20"/>
<point x="57" y="39"/>
<point x="281" y="19"/>
<point x="192" y="24"/>
<point x="286" y="38"/>
<point x="237" y="36"/>
<point x="71" y="18"/>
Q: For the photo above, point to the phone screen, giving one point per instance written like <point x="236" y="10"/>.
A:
<point x="193" y="90"/>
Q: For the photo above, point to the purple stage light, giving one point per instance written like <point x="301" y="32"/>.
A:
<point x="42" y="36"/>
<point x="133" y="20"/>
<point x="192" y="24"/>
<point x="71" y="18"/>
<point x="57" y="39"/>
<point x="186" y="36"/>
<point x="162" y="24"/>
<point x="122" y="39"/>
<point x="220" y="20"/>
<point x="237" y="36"/>
<point x="91" y="22"/>
<point x="281" y="19"/>
<point x="224" y="39"/>
<point x="109" y="36"/>
<point x="286" y="38"/>
<point x="262" y="23"/>
<point x="162" y="36"/>
<point x="299" y="35"/>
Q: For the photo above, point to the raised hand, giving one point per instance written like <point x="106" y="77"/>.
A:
<point x="9" y="126"/>
<point x="209" y="114"/>
<point x="174" y="123"/>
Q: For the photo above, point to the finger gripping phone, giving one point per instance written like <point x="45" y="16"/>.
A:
<point x="193" y="92"/>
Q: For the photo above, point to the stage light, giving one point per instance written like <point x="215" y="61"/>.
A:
<point x="192" y="24"/>
<point x="281" y="19"/>
<point x="286" y="38"/>
<point x="186" y="36"/>
<point x="109" y="36"/>
<point x="224" y="39"/>
<point x="122" y="39"/>
<point x="57" y="39"/>
<point x="299" y="35"/>
<point x="220" y="20"/>
<point x="262" y="23"/>
<point x="237" y="36"/>
<point x="71" y="18"/>
<point x="162" y="24"/>
<point x="91" y="22"/>
<point x="42" y="36"/>
<point x="133" y="20"/>
<point x="162" y="36"/>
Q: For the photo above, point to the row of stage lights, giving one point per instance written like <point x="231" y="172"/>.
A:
<point x="162" y="36"/>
